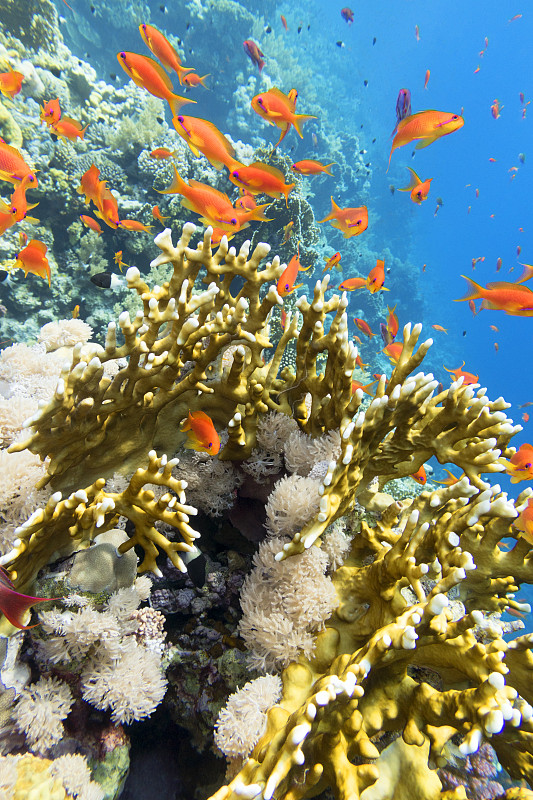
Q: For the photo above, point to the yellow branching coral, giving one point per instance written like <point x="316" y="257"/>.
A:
<point x="174" y="349"/>
<point x="403" y="428"/>
<point x="65" y="525"/>
<point x="407" y="661"/>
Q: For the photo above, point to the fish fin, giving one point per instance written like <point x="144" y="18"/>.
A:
<point x="415" y="181"/>
<point x="474" y="290"/>
<point x="178" y="185"/>
<point x="425" y="142"/>
<point x="327" y="168"/>
<point x="175" y="102"/>
<point x="299" y="120"/>
<point x="507" y="285"/>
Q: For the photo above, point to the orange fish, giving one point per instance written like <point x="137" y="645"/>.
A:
<point x="163" y="50"/>
<point x="51" y="112"/>
<point x="12" y="166"/>
<point x="524" y="523"/>
<point x="117" y="258"/>
<point x="284" y="23"/>
<point x="493" y="328"/>
<point x="162" y="153"/>
<point x="393" y="351"/>
<point x="214" y="207"/>
<point x="359" y="362"/>
<point x="91" y="185"/>
<point x="67" y="128"/>
<point x="254" y="53"/>
<point x="459" y="372"/>
<point x="76" y="312"/>
<point x="351" y="221"/>
<point x="278" y="109"/>
<point x="11" y="83"/>
<point x="366" y="388"/>
<point x="495" y="109"/>
<point x="7" y="219"/>
<point x="91" y="223"/>
<point x="420" y="476"/>
<point x="147" y="74"/>
<point x="156" y="213"/>
<point x="261" y="178"/>
<point x="376" y="278"/>
<point x="364" y="327"/>
<point x="513" y="298"/>
<point x="498" y="265"/>
<point x="19" y="205"/>
<point x="516" y="16"/>
<point x="392" y="322"/>
<point x="419" y="189"/>
<point x="285" y="285"/>
<point x="14" y="605"/>
<point x="450" y="480"/>
<point x="311" y="167"/>
<point x="33" y="259"/>
<point x="134" y="225"/>
<point x="332" y="261"/>
<point x="201" y="432"/>
<point x="525" y="416"/>
<point x="218" y="233"/>
<point x="439" y="328"/>
<point x="192" y="79"/>
<point x="287" y="229"/>
<point x="204" y="137"/>
<point x="246" y="202"/>
<point x="108" y="208"/>
<point x="428" y="126"/>
<point x="426" y="79"/>
<point x="520" y="466"/>
<point x="351" y="284"/>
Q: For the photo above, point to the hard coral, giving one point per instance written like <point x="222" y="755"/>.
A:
<point x="404" y="664"/>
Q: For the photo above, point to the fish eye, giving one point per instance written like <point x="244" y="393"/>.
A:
<point x="233" y="221"/>
<point x="260" y="101"/>
<point x="181" y="119"/>
<point x="123" y="56"/>
<point x="455" y="116"/>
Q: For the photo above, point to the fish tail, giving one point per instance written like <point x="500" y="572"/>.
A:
<point x="178" y="185"/>
<point x="288" y="188"/>
<point x="182" y="71"/>
<point x="327" y="168"/>
<point x="202" y="79"/>
<point x="259" y="215"/>
<point x="415" y="181"/>
<point x="175" y="102"/>
<point x="299" y="120"/>
<point x="474" y="292"/>
<point x="333" y="213"/>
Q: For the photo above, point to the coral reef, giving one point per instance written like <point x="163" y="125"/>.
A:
<point x="395" y="661"/>
<point x="406" y="663"/>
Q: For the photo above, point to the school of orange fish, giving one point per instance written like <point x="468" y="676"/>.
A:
<point x="216" y="209"/>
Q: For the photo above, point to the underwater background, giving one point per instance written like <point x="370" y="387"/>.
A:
<point x="471" y="59"/>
